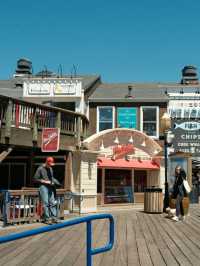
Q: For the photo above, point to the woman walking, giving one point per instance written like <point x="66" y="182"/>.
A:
<point x="179" y="192"/>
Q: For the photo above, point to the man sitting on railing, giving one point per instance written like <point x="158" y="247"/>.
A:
<point x="44" y="176"/>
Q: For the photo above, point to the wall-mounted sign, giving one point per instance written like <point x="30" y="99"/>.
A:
<point x="187" y="136"/>
<point x="38" y="89"/>
<point x="120" y="151"/>
<point x="63" y="88"/>
<point x="184" y="108"/>
<point x="127" y="117"/>
<point x="51" y="88"/>
<point x="50" y="139"/>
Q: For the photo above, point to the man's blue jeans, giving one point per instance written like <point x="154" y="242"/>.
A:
<point x="48" y="200"/>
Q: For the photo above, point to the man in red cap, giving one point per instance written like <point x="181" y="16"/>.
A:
<point x="44" y="176"/>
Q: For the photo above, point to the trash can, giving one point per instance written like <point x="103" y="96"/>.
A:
<point x="153" y="200"/>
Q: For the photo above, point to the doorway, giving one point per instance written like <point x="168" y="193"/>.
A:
<point x="140" y="182"/>
<point x="118" y="186"/>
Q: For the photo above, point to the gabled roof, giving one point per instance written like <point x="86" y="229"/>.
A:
<point x="149" y="92"/>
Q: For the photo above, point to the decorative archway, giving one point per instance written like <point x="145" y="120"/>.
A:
<point x="122" y="136"/>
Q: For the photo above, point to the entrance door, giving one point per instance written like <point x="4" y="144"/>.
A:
<point x="140" y="182"/>
<point x="118" y="186"/>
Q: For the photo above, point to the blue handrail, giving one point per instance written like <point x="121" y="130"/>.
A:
<point x="87" y="219"/>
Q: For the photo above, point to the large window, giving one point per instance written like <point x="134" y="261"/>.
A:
<point x="150" y="121"/>
<point x="105" y="117"/>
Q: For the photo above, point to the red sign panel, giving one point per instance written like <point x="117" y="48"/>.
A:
<point x="121" y="150"/>
<point x="50" y="139"/>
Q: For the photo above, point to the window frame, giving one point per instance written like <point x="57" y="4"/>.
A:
<point x="157" y="119"/>
<point x="113" y="116"/>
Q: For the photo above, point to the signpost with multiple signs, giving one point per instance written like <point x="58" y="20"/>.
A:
<point x="187" y="136"/>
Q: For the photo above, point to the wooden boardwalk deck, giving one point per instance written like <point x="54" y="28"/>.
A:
<point x="141" y="239"/>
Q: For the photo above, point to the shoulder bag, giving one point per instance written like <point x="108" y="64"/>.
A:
<point x="186" y="186"/>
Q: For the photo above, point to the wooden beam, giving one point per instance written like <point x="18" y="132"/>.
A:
<point x="4" y="154"/>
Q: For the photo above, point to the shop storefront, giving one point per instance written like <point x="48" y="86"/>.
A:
<point x="125" y="167"/>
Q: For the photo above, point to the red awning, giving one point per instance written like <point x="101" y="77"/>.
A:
<point x="122" y="163"/>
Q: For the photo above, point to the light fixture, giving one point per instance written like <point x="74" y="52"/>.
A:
<point x="143" y="143"/>
<point x="102" y="146"/>
<point x="156" y="151"/>
<point x="130" y="139"/>
<point x="116" y="141"/>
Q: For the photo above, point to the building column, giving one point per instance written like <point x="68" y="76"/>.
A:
<point x="68" y="181"/>
<point x="103" y="185"/>
<point x="132" y="182"/>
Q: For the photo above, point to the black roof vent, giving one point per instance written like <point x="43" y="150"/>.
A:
<point x="24" y="67"/>
<point x="189" y="75"/>
<point x="129" y="95"/>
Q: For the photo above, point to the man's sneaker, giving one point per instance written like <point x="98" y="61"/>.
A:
<point x="55" y="220"/>
<point x="49" y="222"/>
<point x="175" y="218"/>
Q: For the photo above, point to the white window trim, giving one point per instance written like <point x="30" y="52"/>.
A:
<point x="157" y="119"/>
<point x="113" y="118"/>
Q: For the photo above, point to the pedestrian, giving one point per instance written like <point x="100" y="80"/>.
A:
<point x="179" y="193"/>
<point x="47" y="182"/>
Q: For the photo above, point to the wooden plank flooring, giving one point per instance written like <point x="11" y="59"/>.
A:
<point x="140" y="239"/>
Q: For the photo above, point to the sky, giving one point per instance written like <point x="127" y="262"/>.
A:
<point x="122" y="41"/>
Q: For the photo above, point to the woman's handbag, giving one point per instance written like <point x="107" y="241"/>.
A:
<point x="186" y="186"/>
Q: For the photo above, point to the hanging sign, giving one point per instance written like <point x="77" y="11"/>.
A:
<point x="50" y="139"/>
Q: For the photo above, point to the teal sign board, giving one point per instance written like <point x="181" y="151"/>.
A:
<point x="127" y="117"/>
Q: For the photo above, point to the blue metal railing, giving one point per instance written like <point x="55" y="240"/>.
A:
<point x="87" y="219"/>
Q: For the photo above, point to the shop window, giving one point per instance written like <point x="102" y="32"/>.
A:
<point x="105" y="117"/>
<point x="14" y="175"/>
<point x="4" y="168"/>
<point x="140" y="180"/>
<point x="118" y="186"/>
<point x="99" y="181"/>
<point x="150" y="121"/>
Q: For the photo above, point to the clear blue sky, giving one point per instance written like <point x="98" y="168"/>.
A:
<point x="129" y="40"/>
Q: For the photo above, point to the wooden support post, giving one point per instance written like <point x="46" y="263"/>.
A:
<point x="68" y="180"/>
<point x="58" y="120"/>
<point x="103" y="186"/>
<point x="4" y="154"/>
<point x="78" y="131"/>
<point x="8" y="122"/>
<point x="68" y="172"/>
<point x="35" y="127"/>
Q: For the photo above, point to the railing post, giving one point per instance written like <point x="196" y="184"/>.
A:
<point x="8" y="121"/>
<point x="58" y="120"/>
<point x="5" y="207"/>
<point x="89" y="243"/>
<point x="78" y="131"/>
<point x="35" y="126"/>
<point x="85" y="129"/>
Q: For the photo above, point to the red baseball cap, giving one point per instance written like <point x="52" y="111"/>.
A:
<point x="50" y="161"/>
